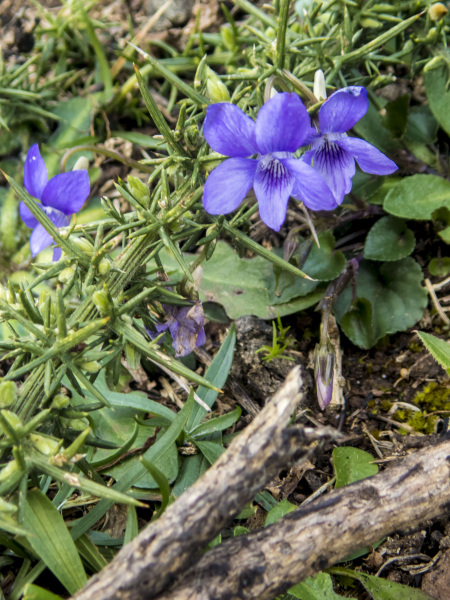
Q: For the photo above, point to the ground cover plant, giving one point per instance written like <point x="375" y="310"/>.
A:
<point x="195" y="199"/>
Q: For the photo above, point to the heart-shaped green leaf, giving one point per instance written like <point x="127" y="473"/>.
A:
<point x="395" y="293"/>
<point x="352" y="464"/>
<point x="417" y="197"/>
<point x="389" y="239"/>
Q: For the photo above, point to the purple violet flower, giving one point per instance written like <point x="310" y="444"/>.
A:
<point x="281" y="128"/>
<point x="61" y="197"/>
<point x="333" y="153"/>
<point x="185" y="324"/>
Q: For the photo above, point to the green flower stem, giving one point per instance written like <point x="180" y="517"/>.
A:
<point x="281" y="36"/>
<point x="129" y="162"/>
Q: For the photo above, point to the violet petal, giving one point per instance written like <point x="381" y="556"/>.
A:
<point x="228" y="130"/>
<point x="282" y="124"/>
<point x="35" y="172"/>
<point x="39" y="240"/>
<point x="369" y="158"/>
<point x="337" y="168"/>
<point x="27" y="216"/>
<point x="67" y="192"/>
<point x="343" y="109"/>
<point x="273" y="185"/>
<point x="309" y="186"/>
<point x="57" y="253"/>
<point x="228" y="184"/>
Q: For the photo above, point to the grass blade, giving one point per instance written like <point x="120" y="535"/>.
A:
<point x="51" y="541"/>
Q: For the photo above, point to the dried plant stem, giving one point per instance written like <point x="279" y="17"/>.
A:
<point x="436" y="302"/>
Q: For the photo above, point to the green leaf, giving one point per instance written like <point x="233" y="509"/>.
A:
<point x="76" y="114"/>
<point x="90" y="553"/>
<point x="167" y="464"/>
<point x="157" y="452"/>
<point x="283" y="508"/>
<point x="34" y="592"/>
<point x="51" y="541"/>
<point x="217" y="424"/>
<point x="352" y="464"/>
<point x="103" y="74"/>
<point x="395" y="293"/>
<point x="370" y="127"/>
<point x="357" y="323"/>
<point x="389" y="239"/>
<point x="83" y="483"/>
<point x="319" y="587"/>
<point x="439" y="267"/>
<point x="422" y="126"/>
<point x="162" y="482"/>
<point x="217" y="375"/>
<point x="246" y="286"/>
<point x="132" y="528"/>
<point x="396" y="117"/>
<point x="439" y="349"/>
<point x="139" y="139"/>
<point x="382" y="589"/>
<point x="210" y="450"/>
<point x="322" y="264"/>
<point x="157" y="116"/>
<point x="417" y="197"/>
<point x="436" y="75"/>
<point x="10" y="525"/>
<point x="191" y="469"/>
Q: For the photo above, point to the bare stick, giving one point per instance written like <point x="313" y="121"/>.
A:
<point x="168" y="546"/>
<point x="262" y="565"/>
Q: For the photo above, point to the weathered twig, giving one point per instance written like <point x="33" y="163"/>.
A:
<point x="170" y="545"/>
<point x="266" y="563"/>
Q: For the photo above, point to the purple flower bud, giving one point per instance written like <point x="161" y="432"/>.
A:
<point x="324" y="361"/>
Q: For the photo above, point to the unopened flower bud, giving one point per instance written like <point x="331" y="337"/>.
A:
<point x="140" y="190"/>
<point x="192" y="135"/>
<point x="104" y="266"/>
<point x="91" y="366"/>
<point x="81" y="164"/>
<point x="437" y="11"/>
<point x="102" y="302"/>
<point x="320" y="90"/>
<point x="45" y="444"/>
<point x="67" y="274"/>
<point x="12" y="420"/>
<point x="11" y="469"/>
<point x="324" y="360"/>
<point x="227" y="36"/>
<point x="60" y="401"/>
<point x="216" y="89"/>
<point x="8" y="393"/>
<point x="84" y="245"/>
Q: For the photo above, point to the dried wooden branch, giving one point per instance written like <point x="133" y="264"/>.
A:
<point x="266" y="563"/>
<point x="169" y="546"/>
